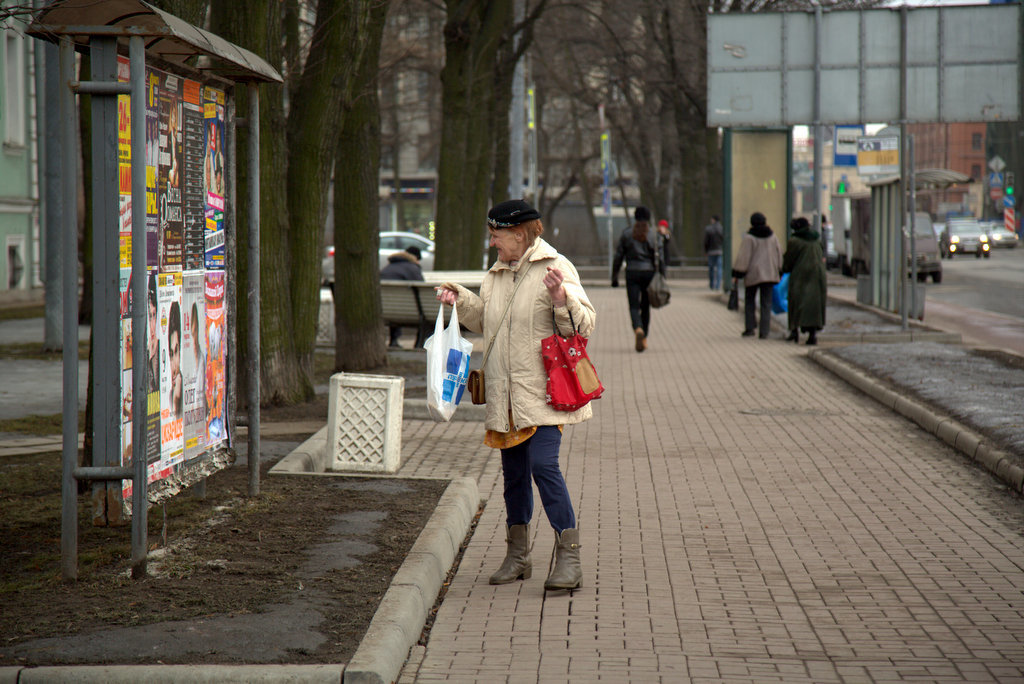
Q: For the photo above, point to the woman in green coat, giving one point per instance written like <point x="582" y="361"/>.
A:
<point x="805" y="263"/>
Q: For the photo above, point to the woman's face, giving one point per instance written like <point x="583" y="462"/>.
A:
<point x="510" y="243"/>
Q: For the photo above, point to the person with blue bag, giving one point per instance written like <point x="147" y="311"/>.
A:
<point x="804" y="261"/>
<point x="528" y="284"/>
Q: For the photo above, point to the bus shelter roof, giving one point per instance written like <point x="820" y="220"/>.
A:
<point x="929" y="179"/>
<point x="167" y="37"/>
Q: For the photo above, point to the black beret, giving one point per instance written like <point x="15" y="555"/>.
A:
<point x="642" y="213"/>
<point x="511" y="213"/>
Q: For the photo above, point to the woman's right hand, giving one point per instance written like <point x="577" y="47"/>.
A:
<point x="446" y="295"/>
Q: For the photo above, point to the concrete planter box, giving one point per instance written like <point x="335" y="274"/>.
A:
<point x="364" y="423"/>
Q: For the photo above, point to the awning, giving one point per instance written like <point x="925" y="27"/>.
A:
<point x="167" y="37"/>
<point x="939" y="179"/>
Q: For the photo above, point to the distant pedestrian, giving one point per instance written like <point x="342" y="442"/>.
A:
<point x="713" y="238"/>
<point x="758" y="262"/>
<point x="402" y="266"/>
<point x="637" y="247"/>
<point x="804" y="262"/>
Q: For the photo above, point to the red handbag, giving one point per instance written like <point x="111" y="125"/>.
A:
<point x="572" y="378"/>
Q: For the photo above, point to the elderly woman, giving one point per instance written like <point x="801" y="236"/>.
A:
<point x="540" y="283"/>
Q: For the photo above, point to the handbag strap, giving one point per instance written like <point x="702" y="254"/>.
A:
<point x="522" y="277"/>
<point x="555" y="325"/>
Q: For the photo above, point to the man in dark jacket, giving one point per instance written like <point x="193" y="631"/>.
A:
<point x="402" y="266"/>
<point x="713" y="238"/>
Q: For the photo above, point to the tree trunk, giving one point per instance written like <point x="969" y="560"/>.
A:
<point x="473" y="34"/>
<point x="359" y="334"/>
<point x="313" y="123"/>
<point x="255" y="26"/>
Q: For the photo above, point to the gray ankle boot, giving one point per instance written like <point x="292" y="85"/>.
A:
<point x="567" y="573"/>
<point x="517" y="563"/>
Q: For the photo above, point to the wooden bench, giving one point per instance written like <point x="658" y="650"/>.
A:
<point x="414" y="303"/>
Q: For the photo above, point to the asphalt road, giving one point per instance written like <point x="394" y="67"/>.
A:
<point x="995" y="284"/>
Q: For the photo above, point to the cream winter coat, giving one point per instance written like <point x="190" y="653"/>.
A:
<point x="514" y="374"/>
<point x="759" y="258"/>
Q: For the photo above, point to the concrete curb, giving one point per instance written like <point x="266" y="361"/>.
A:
<point x="403" y="611"/>
<point x="173" y="674"/>
<point x="958" y="436"/>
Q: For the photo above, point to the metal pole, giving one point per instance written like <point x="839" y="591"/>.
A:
<point x="913" y="223"/>
<point x="818" y="128"/>
<point x="69" y="187"/>
<point x="140" y="511"/>
<point x="532" y="127"/>
<point x="901" y="268"/>
<point x="253" y="293"/>
<point x="516" y="116"/>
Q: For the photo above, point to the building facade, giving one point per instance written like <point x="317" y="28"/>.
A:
<point x="19" y="192"/>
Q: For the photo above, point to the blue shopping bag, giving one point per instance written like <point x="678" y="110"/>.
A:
<point x="780" y="295"/>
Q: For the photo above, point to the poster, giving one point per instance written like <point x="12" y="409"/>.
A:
<point x="193" y="191"/>
<point x="216" y="337"/>
<point x="193" y="362"/>
<point x="152" y="164"/>
<point x="213" y="175"/>
<point x="185" y="399"/>
<point x="169" y="175"/>
<point x="172" y="406"/>
<point x="152" y="450"/>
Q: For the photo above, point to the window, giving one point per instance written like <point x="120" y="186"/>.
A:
<point x="976" y="141"/>
<point x="13" y="104"/>
<point x="976" y="171"/>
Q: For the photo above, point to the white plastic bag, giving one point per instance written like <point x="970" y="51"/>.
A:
<point x="447" y="367"/>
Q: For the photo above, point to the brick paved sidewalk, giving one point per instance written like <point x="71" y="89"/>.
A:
<point x="745" y="516"/>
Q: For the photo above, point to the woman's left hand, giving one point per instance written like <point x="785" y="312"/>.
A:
<point x="553" y="281"/>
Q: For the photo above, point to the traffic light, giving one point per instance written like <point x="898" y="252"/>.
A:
<point x="1008" y="190"/>
<point x="841" y="187"/>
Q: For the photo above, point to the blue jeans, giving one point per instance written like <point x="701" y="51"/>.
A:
<point x="714" y="271"/>
<point x="536" y="458"/>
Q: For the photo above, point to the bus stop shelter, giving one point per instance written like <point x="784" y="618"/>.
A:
<point x="163" y="202"/>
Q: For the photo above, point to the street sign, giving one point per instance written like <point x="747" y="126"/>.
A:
<point x="878" y="155"/>
<point x="1008" y="201"/>
<point x="995" y="180"/>
<point x="845" y="145"/>
<point x="996" y="194"/>
<point x="996" y="163"/>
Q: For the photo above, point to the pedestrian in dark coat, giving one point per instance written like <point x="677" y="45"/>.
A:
<point x="402" y="266"/>
<point x="637" y="247"/>
<point x="805" y="264"/>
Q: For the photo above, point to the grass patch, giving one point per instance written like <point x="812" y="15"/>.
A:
<point x="33" y="351"/>
<point x="40" y="425"/>
<point x="19" y="312"/>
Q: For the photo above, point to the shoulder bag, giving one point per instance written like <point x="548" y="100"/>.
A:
<point x="475" y="384"/>
<point x="657" y="291"/>
<point x="572" y="378"/>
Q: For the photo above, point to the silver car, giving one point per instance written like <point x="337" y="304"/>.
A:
<point x="998" y="235"/>
<point x="390" y="243"/>
<point x="966" y="236"/>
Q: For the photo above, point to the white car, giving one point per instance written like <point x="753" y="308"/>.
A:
<point x="390" y="243"/>
<point x="998" y="235"/>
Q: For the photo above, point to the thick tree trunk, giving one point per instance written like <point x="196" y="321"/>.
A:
<point x="334" y="55"/>
<point x="255" y="26"/>
<point x="359" y="333"/>
<point x="473" y="34"/>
